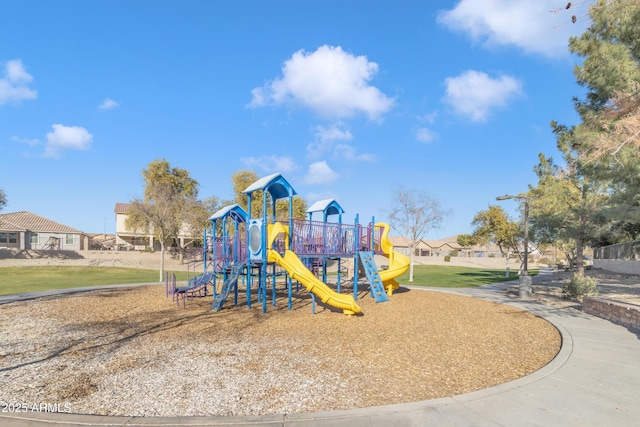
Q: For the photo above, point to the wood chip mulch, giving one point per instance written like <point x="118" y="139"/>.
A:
<point x="132" y="352"/>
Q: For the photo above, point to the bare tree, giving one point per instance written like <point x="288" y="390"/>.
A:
<point x="3" y="199"/>
<point x="414" y="214"/>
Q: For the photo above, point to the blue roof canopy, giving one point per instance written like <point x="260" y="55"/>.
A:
<point x="274" y="184"/>
<point x="327" y="206"/>
<point x="235" y="211"/>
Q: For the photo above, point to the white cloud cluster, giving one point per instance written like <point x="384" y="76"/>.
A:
<point x="320" y="173"/>
<point x="333" y="140"/>
<point x="330" y="82"/>
<point x="14" y="83"/>
<point x="26" y="141"/>
<point x="530" y="25"/>
<point x="108" y="104"/>
<point x="67" y="138"/>
<point x="325" y="139"/>
<point x="14" y="88"/>
<point x="428" y="118"/>
<point x="348" y="152"/>
<point x="425" y="135"/>
<point x="473" y="94"/>
<point x="271" y="164"/>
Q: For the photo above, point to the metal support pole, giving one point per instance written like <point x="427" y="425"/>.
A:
<point x="524" y="284"/>
<point x="525" y="279"/>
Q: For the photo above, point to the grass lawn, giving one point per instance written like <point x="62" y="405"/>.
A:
<point x="15" y="280"/>
<point x="456" y="277"/>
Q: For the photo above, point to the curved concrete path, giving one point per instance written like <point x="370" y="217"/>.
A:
<point x="593" y="381"/>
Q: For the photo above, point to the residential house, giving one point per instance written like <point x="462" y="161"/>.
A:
<point x="425" y="247"/>
<point x="28" y="231"/>
<point x="401" y="244"/>
<point x="127" y="239"/>
<point x="442" y="247"/>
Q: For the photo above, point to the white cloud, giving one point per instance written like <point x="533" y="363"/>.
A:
<point x="530" y="25"/>
<point x="320" y="173"/>
<point x="67" y="138"/>
<point x="331" y="140"/>
<point x="326" y="138"/>
<point x="425" y="135"/>
<point x="14" y="83"/>
<point x="329" y="81"/>
<point x="334" y="133"/>
<point x="108" y="104"/>
<point x="348" y="152"/>
<point x="429" y="118"/>
<point x="281" y="164"/>
<point x="29" y="142"/>
<point x="474" y="94"/>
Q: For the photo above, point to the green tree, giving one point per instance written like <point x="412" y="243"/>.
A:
<point x="570" y="204"/>
<point x="169" y="209"/>
<point x="466" y="240"/>
<point x="609" y="134"/>
<point x="212" y="204"/>
<point x="299" y="210"/>
<point x="240" y="180"/>
<point x="566" y="203"/>
<point x="610" y="47"/>
<point x="413" y="215"/>
<point x="3" y="199"/>
<point x="494" y="226"/>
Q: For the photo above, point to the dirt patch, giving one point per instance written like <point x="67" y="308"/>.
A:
<point x="618" y="287"/>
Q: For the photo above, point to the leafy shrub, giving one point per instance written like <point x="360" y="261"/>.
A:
<point x="148" y="249"/>
<point x="580" y="286"/>
<point x="447" y="258"/>
<point x="454" y="252"/>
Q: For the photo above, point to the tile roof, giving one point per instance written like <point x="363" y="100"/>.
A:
<point x="400" y="241"/>
<point x="122" y="208"/>
<point x="27" y="221"/>
<point x="435" y="244"/>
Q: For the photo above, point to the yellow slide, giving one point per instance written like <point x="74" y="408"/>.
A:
<point x="398" y="263"/>
<point x="298" y="271"/>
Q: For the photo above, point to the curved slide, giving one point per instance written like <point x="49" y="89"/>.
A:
<point x="298" y="271"/>
<point x="398" y="263"/>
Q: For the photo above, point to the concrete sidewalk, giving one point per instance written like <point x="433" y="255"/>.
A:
<point x="593" y="381"/>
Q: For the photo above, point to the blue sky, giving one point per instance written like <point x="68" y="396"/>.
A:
<point x="346" y="99"/>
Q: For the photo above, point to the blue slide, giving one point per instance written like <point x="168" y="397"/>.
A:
<point x="196" y="283"/>
<point x="229" y="284"/>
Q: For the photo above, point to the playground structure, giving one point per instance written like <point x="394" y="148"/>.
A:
<point x="240" y="251"/>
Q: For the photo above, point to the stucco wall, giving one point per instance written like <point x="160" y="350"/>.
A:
<point x="44" y="240"/>
<point x="618" y="265"/>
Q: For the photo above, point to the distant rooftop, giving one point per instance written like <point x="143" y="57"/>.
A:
<point x="27" y="221"/>
<point x="122" y="208"/>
